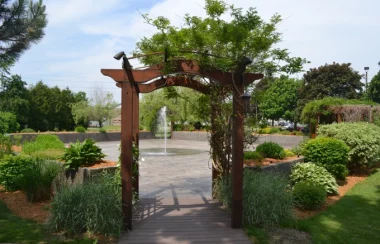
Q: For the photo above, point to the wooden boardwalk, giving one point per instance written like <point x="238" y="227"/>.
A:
<point x="182" y="221"/>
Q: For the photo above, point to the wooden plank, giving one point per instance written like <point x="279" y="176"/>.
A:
<point x="237" y="155"/>
<point x="135" y="132"/>
<point x="126" y="154"/>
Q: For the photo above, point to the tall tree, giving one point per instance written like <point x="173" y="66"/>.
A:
<point x="374" y="88"/>
<point x="330" y="80"/>
<point x="22" y="23"/>
<point x="102" y="106"/>
<point x="280" y="100"/>
<point x="14" y="98"/>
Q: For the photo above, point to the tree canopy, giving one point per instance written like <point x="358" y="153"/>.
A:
<point x="280" y="100"/>
<point x="22" y="23"/>
<point x="374" y="88"/>
<point x="330" y="80"/>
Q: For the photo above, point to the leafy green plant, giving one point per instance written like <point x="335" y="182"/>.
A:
<point x="362" y="138"/>
<point x="37" y="179"/>
<point x="94" y="207"/>
<point x="314" y="174"/>
<point x="80" y="154"/>
<point x="80" y="129"/>
<point x="8" y="123"/>
<point x="330" y="153"/>
<point x="253" y="155"/>
<point x="271" y="150"/>
<point x="266" y="201"/>
<point x="27" y="130"/>
<point x="12" y="169"/>
<point x="308" y="195"/>
<point x="43" y="142"/>
<point x="289" y="153"/>
<point x="5" y="145"/>
<point x="102" y="130"/>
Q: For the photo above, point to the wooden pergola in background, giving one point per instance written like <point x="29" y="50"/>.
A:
<point x="183" y="73"/>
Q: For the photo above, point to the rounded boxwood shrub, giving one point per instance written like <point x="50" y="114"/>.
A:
<point x="362" y="138"/>
<point x="314" y="174"/>
<point x="27" y="130"/>
<point x="309" y="196"/>
<point x="330" y="153"/>
<point x="271" y="150"/>
<point x="80" y="129"/>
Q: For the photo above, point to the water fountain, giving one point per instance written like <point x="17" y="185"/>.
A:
<point x="162" y="127"/>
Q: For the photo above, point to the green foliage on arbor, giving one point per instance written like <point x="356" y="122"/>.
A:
<point x="8" y="123"/>
<point x="330" y="153"/>
<point x="362" y="138"/>
<point x="313" y="174"/>
<point x="280" y="100"/>
<point x="22" y="24"/>
<point x="245" y="34"/>
<point x="330" y="80"/>
<point x="374" y="88"/>
<point x="322" y="107"/>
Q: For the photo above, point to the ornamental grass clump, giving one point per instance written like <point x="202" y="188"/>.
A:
<point x="266" y="200"/>
<point x="37" y="179"/>
<point x="271" y="150"/>
<point x="330" y="153"/>
<point x="313" y="174"/>
<point x="362" y="138"/>
<point x="93" y="207"/>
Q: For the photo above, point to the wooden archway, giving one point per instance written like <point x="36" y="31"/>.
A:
<point x="135" y="81"/>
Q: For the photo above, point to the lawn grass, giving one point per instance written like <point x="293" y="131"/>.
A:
<point x="353" y="219"/>
<point x="16" y="230"/>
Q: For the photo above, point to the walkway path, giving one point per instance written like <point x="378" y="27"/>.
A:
<point x="176" y="193"/>
<point x="182" y="221"/>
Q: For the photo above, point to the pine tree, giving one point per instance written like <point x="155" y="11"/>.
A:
<point x="22" y="23"/>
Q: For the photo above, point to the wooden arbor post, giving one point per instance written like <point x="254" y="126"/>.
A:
<point x="133" y="82"/>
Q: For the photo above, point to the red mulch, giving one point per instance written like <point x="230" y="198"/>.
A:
<point x="16" y="148"/>
<point x="267" y="161"/>
<point x="102" y="164"/>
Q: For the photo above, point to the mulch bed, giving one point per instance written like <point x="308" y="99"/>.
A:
<point x="267" y="161"/>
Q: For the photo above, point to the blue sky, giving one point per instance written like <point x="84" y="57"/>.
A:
<point x="83" y="35"/>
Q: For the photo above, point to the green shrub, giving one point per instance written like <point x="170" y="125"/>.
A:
<point x="81" y="154"/>
<point x="12" y="169"/>
<point x="48" y="154"/>
<point x="285" y="132"/>
<point x="271" y="150"/>
<point x="362" y="138"/>
<point x="253" y="155"/>
<point x="265" y="130"/>
<point x="37" y="179"/>
<point x="263" y="124"/>
<point x="27" y="130"/>
<point x="178" y="127"/>
<point x="289" y="153"/>
<point x="5" y="145"/>
<point x="309" y="196"/>
<point x="266" y="201"/>
<point x="8" y="123"/>
<point x="43" y="142"/>
<point x="102" y="130"/>
<point x="80" y="129"/>
<point x="314" y="174"/>
<point x="274" y="130"/>
<point x="330" y="153"/>
<point x="94" y="207"/>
